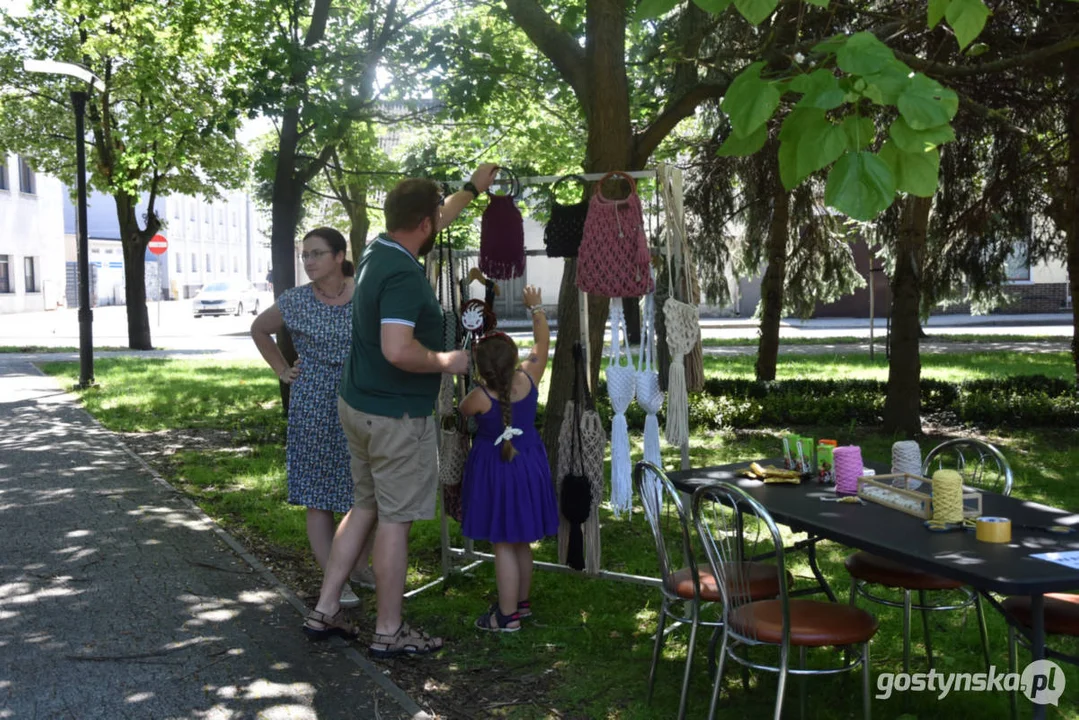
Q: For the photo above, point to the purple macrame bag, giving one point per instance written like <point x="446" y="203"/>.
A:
<point x="502" y="237"/>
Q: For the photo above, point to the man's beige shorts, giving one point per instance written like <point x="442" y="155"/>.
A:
<point x="394" y="463"/>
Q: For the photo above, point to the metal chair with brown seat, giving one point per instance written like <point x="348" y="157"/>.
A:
<point x="1061" y="613"/>
<point x="691" y="585"/>
<point x="730" y="523"/>
<point x="982" y="466"/>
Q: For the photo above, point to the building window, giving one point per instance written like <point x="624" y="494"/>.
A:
<point x="3" y="176"/>
<point x="176" y="209"/>
<point x="26" y="178"/>
<point x="5" y="273"/>
<point x="221" y="262"/>
<point x="220" y="216"/>
<point x="194" y="263"/>
<point x="179" y="263"/>
<point x="235" y="218"/>
<point x="1017" y="266"/>
<point x="30" y="274"/>
<point x="209" y="265"/>
<point x="193" y="204"/>
<point x="235" y="264"/>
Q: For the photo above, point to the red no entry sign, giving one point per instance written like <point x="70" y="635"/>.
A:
<point x="158" y="244"/>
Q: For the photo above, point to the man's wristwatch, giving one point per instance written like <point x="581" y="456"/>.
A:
<point x="471" y="187"/>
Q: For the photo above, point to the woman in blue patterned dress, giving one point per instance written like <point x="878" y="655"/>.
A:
<point x="319" y="320"/>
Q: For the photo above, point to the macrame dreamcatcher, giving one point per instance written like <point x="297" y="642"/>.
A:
<point x="682" y="319"/>
<point x="579" y="475"/>
<point x="621" y="387"/>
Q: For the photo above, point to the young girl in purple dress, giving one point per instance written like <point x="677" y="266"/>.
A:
<point x="509" y="499"/>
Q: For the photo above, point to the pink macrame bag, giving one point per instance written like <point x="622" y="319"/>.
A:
<point x="613" y="260"/>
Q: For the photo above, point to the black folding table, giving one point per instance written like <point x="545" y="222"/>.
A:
<point x="1007" y="569"/>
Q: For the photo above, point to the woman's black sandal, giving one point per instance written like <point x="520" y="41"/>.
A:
<point x="502" y="622"/>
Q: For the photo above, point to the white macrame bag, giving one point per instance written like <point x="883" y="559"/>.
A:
<point x="621" y="387"/>
<point x="649" y="393"/>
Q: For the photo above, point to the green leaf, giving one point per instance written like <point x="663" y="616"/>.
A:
<point x="654" y="8"/>
<point x="819" y="3"/>
<point x="861" y="185"/>
<point x="832" y="44"/>
<point x="910" y="140"/>
<point x="808" y="142"/>
<point x="863" y="53"/>
<point x="859" y="131"/>
<point x="886" y="86"/>
<point x="977" y="49"/>
<point x="937" y="8"/>
<point x="756" y="11"/>
<point x="915" y="173"/>
<point x="749" y="101"/>
<point x="735" y="146"/>
<point x="713" y="6"/>
<point x="820" y="90"/>
<point x="926" y="103"/>
<point x="967" y="18"/>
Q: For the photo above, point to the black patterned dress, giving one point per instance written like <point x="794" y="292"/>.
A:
<point x="316" y="452"/>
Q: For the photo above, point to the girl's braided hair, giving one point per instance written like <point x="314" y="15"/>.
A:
<point x="496" y="361"/>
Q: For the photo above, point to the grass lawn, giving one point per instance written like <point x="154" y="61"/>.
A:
<point x="587" y="650"/>
<point x="880" y="340"/>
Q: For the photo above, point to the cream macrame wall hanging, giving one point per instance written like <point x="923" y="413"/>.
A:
<point x="682" y="319"/>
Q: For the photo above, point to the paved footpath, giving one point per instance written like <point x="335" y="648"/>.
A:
<point x="120" y="599"/>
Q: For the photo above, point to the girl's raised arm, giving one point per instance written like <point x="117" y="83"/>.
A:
<point x="541" y="334"/>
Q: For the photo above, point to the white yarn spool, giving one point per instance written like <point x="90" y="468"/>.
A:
<point x="907" y="458"/>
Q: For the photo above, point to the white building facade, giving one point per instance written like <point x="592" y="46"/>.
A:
<point x="31" y="238"/>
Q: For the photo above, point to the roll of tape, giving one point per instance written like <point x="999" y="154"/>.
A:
<point x="993" y="529"/>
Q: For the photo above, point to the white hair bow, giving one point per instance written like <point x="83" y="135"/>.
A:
<point x="508" y="434"/>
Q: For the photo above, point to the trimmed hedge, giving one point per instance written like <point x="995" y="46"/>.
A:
<point x="1020" y="401"/>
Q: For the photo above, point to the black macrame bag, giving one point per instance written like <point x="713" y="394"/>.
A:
<point x="564" y="230"/>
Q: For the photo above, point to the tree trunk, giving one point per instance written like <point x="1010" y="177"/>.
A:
<point x="610" y="147"/>
<point x="133" y="243"/>
<point x="772" y="284"/>
<point x="1071" y="210"/>
<point x="360" y="221"/>
<point x="902" y="407"/>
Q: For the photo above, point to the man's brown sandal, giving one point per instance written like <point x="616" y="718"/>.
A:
<point x="331" y="625"/>
<point x="405" y="641"/>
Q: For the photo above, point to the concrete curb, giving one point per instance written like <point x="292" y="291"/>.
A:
<point x="407" y="704"/>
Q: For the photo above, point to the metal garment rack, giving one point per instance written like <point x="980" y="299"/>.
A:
<point x="468" y="552"/>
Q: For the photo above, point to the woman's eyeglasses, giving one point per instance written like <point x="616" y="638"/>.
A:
<point x="313" y="255"/>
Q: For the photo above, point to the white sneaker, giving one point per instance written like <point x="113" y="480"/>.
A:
<point x="348" y="598"/>
<point x="364" y="578"/>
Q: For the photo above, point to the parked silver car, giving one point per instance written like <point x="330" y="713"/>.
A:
<point x="232" y="297"/>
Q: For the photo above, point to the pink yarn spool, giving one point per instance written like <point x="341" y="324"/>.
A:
<point x="848" y="468"/>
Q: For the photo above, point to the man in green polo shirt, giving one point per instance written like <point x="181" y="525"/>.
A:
<point x="387" y="397"/>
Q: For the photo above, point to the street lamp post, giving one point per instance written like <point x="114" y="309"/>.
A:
<point x="78" y="100"/>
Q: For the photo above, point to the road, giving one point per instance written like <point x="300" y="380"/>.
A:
<point x="175" y="330"/>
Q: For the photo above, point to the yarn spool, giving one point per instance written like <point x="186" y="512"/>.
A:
<point x="848" y="468"/>
<point x="907" y="458"/>
<point x="947" y="497"/>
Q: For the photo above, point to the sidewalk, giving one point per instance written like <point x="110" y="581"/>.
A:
<point x="119" y="598"/>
